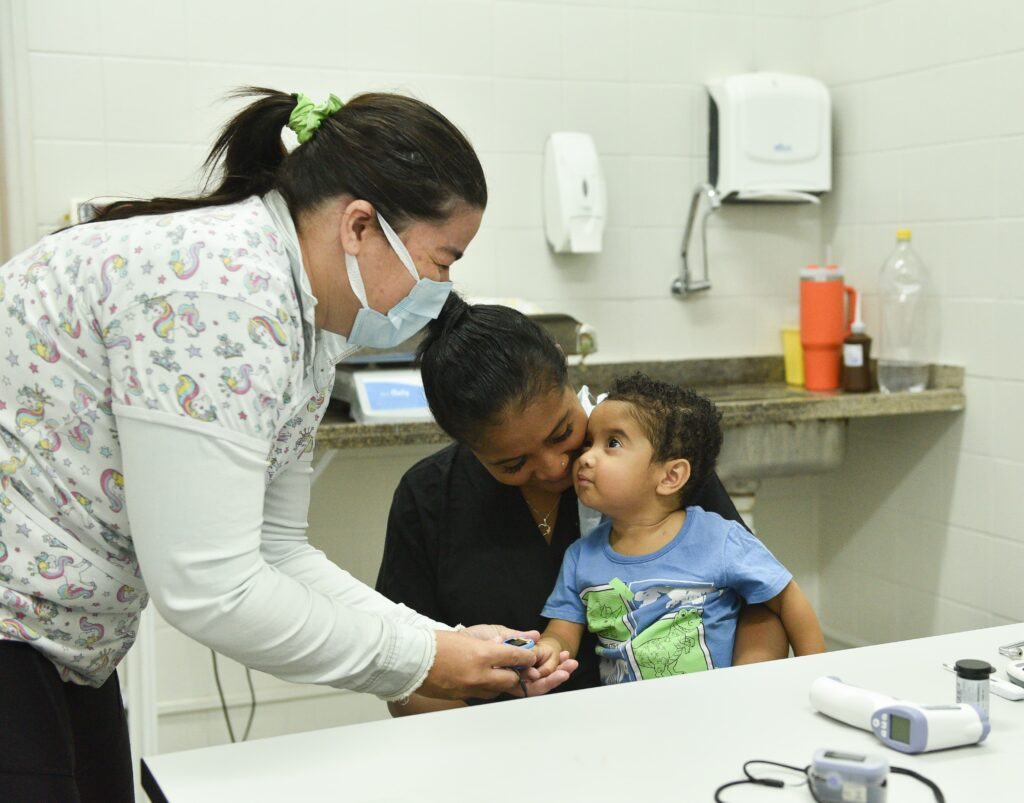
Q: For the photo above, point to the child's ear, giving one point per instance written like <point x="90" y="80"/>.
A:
<point x="675" y="474"/>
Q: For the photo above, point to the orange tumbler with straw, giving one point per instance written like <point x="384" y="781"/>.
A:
<point x="824" y="323"/>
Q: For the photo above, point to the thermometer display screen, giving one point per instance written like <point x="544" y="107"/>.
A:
<point x="899" y="729"/>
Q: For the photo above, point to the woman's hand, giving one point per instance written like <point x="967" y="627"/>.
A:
<point x="475" y="663"/>
<point x="472" y="664"/>
<point x="498" y="633"/>
<point x="558" y="664"/>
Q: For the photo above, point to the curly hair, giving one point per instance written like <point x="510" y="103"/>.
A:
<point x="679" y="423"/>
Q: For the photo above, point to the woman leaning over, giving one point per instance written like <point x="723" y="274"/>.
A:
<point x="166" y="368"/>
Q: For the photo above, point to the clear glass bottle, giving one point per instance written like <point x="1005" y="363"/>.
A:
<point x="908" y="332"/>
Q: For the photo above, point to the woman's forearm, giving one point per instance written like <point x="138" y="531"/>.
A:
<point x="418" y="704"/>
<point x="760" y="636"/>
<point x="200" y="554"/>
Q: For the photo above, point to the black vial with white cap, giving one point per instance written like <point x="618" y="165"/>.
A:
<point x="972" y="682"/>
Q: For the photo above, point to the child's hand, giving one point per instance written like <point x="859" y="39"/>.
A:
<point x="554" y="662"/>
<point x="553" y="668"/>
<point x="549" y="656"/>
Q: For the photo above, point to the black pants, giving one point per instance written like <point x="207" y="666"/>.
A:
<point x="59" y="742"/>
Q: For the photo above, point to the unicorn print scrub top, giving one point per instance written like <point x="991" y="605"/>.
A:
<point x="161" y="388"/>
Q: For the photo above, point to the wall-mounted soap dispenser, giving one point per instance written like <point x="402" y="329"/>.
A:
<point x="574" y="194"/>
<point x="769" y="137"/>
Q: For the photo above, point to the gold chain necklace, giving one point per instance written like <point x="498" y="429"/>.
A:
<point x="542" y="525"/>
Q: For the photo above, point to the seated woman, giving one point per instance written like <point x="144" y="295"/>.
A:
<point x="477" y="531"/>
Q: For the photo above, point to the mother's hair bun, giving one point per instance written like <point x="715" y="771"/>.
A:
<point x="454" y="310"/>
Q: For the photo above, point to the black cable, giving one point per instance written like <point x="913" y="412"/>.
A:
<point x="751" y="778"/>
<point x="806" y="772"/>
<point x="224" y="705"/>
<point x="252" y="704"/>
<point x="939" y="797"/>
<point x="759" y="781"/>
<point x="750" y="775"/>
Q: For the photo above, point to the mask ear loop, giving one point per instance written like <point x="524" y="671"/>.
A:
<point x="399" y="247"/>
<point x="355" y="276"/>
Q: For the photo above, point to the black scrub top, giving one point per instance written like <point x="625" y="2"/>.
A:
<point x="462" y="548"/>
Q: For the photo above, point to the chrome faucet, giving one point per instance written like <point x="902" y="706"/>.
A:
<point x="685" y="283"/>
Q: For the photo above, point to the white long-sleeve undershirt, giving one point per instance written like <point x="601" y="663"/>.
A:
<point x="227" y="562"/>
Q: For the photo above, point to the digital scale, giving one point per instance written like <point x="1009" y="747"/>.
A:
<point x="383" y="395"/>
<point x="382" y="386"/>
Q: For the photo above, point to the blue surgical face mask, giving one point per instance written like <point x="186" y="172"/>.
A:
<point x="422" y="304"/>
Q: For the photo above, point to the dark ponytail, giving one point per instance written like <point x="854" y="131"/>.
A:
<point x="398" y="153"/>
<point x="482" y="361"/>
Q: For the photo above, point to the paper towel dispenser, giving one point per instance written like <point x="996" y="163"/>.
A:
<point x="574" y="194"/>
<point x="769" y="137"/>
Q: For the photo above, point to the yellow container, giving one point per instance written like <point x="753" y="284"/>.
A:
<point x="793" y="355"/>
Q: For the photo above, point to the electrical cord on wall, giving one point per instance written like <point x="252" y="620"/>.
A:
<point x="224" y="705"/>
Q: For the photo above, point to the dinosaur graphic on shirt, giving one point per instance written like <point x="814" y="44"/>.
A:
<point x="608" y="611"/>
<point x="672" y="646"/>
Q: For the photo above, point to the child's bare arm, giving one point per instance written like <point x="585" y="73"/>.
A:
<point x="760" y="636"/>
<point x="558" y="637"/>
<point x="799" y="620"/>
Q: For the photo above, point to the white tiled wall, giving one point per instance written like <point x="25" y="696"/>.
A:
<point x="125" y="97"/>
<point x="122" y="98"/>
<point x="922" y="526"/>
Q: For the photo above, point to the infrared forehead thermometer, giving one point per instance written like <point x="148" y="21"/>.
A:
<point x="899" y="724"/>
<point x="912" y="728"/>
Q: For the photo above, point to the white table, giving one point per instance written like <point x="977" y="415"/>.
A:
<point x="675" y="739"/>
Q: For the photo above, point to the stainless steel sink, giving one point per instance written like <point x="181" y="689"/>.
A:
<point x="756" y="451"/>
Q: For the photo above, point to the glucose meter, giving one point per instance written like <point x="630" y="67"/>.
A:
<point x="1001" y="688"/>
<point x="1015" y="672"/>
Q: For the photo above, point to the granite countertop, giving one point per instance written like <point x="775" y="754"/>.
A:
<point x="747" y="390"/>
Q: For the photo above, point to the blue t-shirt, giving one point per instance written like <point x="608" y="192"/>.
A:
<point x="670" y="612"/>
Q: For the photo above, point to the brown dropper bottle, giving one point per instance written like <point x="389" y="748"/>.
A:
<point x="857" y="356"/>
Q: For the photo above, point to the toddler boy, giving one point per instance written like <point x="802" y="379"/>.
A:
<point x="660" y="583"/>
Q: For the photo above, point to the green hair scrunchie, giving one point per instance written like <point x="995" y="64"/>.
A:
<point x="307" y="116"/>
